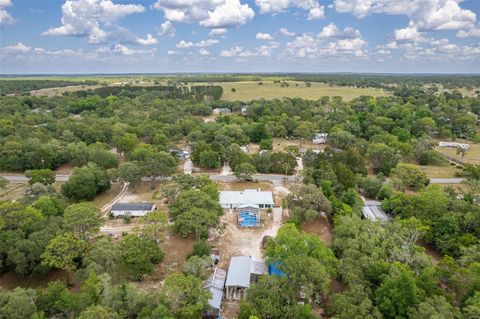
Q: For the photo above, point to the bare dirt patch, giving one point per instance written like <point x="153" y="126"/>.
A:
<point x="321" y="227"/>
<point x="176" y="250"/>
<point x="10" y="280"/>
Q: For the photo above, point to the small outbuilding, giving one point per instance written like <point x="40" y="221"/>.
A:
<point x="320" y="138"/>
<point x="132" y="209"/>
<point x="221" y="110"/>
<point x="372" y="211"/>
<point x="242" y="271"/>
<point x="234" y="199"/>
<point x="215" y="285"/>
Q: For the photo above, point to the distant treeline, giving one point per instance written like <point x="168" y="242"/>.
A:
<point x="23" y="87"/>
<point x="389" y="81"/>
<point x="199" y="92"/>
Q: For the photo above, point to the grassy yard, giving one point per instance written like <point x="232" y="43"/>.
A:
<point x="249" y="90"/>
<point x="471" y="156"/>
<point x="440" y="171"/>
<point x="279" y="144"/>
<point x="14" y="191"/>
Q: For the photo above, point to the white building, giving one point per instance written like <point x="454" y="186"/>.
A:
<point x="221" y="110"/>
<point x="234" y="199"/>
<point x="454" y="145"/>
<point x="320" y="138"/>
<point x="132" y="209"/>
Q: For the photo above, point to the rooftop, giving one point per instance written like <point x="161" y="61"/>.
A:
<point x="215" y="284"/>
<point x="133" y="206"/>
<point x="374" y="213"/>
<point x="248" y="196"/>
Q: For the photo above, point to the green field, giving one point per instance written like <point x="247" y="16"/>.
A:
<point x="249" y="90"/>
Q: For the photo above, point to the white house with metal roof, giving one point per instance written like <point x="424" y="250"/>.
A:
<point x="235" y="199"/>
<point x="242" y="271"/>
<point x="132" y="209"/>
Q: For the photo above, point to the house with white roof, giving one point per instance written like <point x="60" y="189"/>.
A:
<point x="242" y="271"/>
<point x="132" y="209"/>
<point x="454" y="145"/>
<point x="234" y="199"/>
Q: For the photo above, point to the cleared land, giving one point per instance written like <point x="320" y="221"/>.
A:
<point x="443" y="171"/>
<point x="471" y="156"/>
<point x="250" y="90"/>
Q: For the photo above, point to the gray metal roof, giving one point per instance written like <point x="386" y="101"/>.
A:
<point x="248" y="196"/>
<point x="132" y="206"/>
<point x="239" y="272"/>
<point x="374" y="213"/>
<point x="215" y="284"/>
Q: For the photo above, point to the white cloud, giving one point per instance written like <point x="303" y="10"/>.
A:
<point x="5" y="17"/>
<point x="332" y="31"/>
<point x="89" y="18"/>
<point x="215" y="32"/>
<point x="123" y="50"/>
<point x="228" y="15"/>
<point x="409" y="34"/>
<point x="150" y="40"/>
<point x="184" y="45"/>
<point x="425" y="15"/>
<point x="17" y="48"/>
<point x="263" y="36"/>
<point x="285" y="32"/>
<point x="316" y="13"/>
<point x="327" y="44"/>
<point x="167" y="29"/>
<point x="240" y="52"/>
<point x="203" y="52"/>
<point x="315" y="10"/>
<point x="202" y="44"/>
<point x="473" y="32"/>
<point x="207" y="13"/>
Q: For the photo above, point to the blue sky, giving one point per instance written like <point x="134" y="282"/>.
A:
<point x="118" y="36"/>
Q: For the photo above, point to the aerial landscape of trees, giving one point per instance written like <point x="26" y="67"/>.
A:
<point x="377" y="148"/>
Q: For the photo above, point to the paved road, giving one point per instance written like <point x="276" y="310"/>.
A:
<point x="446" y="180"/>
<point x="231" y="178"/>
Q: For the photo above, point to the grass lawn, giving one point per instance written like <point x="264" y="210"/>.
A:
<point x="14" y="191"/>
<point x="440" y="171"/>
<point x="279" y="144"/>
<point x="101" y="199"/>
<point x="250" y="90"/>
<point x="472" y="155"/>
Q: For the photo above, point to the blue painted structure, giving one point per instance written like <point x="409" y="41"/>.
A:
<point x="273" y="269"/>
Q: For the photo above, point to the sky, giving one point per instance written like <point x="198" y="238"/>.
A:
<point x="165" y="36"/>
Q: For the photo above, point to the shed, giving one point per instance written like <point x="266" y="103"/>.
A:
<point x="320" y="138"/>
<point x="132" y="209"/>
<point x="221" y="110"/>
<point x="241" y="272"/>
<point x="234" y="199"/>
<point x="374" y="213"/>
<point x="215" y="285"/>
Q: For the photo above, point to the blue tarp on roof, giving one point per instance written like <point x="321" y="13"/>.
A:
<point x="273" y="269"/>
